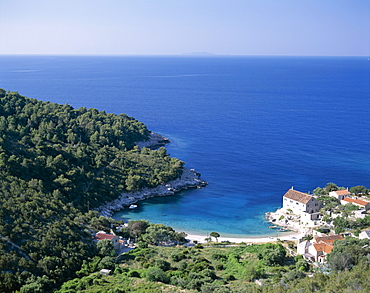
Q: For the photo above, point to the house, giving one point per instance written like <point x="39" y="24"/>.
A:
<point x="317" y="249"/>
<point x="357" y="202"/>
<point x="105" y="272"/>
<point x="340" y="194"/>
<point x="113" y="238"/>
<point x="328" y="239"/>
<point x="302" y="204"/>
<point x="364" y="235"/>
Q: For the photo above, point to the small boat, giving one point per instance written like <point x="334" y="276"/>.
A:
<point x="133" y="206"/>
<point x="272" y="227"/>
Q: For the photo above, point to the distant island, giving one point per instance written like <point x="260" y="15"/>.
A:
<point x="199" y="54"/>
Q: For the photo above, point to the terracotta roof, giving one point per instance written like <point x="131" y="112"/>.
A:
<point x="323" y="247"/>
<point x="342" y="192"/>
<point x="101" y="236"/>
<point x="356" y="201"/>
<point x="329" y="239"/>
<point x="298" y="196"/>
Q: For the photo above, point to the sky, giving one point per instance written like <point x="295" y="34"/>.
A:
<point x="172" y="27"/>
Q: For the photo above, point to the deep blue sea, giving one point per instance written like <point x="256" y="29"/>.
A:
<point x="253" y="126"/>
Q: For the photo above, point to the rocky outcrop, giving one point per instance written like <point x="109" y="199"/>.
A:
<point x="285" y="219"/>
<point x="189" y="179"/>
<point x="155" y="141"/>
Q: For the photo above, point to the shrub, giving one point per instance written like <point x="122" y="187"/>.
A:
<point x="178" y="256"/>
<point x="230" y="277"/>
<point x="183" y="265"/>
<point x="156" y="274"/>
<point x="162" y="264"/>
<point x="134" y="274"/>
<point x="220" y="267"/>
<point x="219" y="256"/>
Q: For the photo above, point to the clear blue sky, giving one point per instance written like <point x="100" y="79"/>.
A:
<point x="233" y="27"/>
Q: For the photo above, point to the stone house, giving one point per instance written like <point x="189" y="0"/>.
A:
<point x="113" y="238"/>
<point x="340" y="194"/>
<point x="302" y="204"/>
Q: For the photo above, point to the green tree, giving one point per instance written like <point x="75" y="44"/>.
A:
<point x="105" y="248"/>
<point x="159" y="234"/>
<point x="215" y="235"/>
<point x="137" y="228"/>
<point x="359" y="189"/>
<point x="331" y="187"/>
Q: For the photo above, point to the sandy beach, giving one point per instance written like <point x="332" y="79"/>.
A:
<point x="287" y="236"/>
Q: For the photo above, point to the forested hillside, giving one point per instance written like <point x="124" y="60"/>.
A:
<point x="56" y="164"/>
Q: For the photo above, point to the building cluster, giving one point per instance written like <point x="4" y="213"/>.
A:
<point x="119" y="244"/>
<point x="316" y="249"/>
<point x="301" y="211"/>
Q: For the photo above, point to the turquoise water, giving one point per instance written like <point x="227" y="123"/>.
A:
<point x="253" y="126"/>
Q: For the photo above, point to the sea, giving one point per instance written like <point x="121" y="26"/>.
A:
<point x="253" y="126"/>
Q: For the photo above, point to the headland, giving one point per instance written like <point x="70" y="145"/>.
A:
<point x="189" y="179"/>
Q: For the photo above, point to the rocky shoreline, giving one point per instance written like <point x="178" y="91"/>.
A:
<point x="155" y="141"/>
<point x="189" y="179"/>
<point x="281" y="219"/>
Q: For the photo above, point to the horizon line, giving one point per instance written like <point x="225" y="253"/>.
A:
<point x="208" y="55"/>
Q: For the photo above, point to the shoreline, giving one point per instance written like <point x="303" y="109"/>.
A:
<point x="188" y="179"/>
<point x="293" y="236"/>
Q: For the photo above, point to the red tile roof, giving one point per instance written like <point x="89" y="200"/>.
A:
<point x="323" y="247"/>
<point x="298" y="196"/>
<point x="328" y="239"/>
<point x="342" y="192"/>
<point x="356" y="201"/>
<point x="100" y="236"/>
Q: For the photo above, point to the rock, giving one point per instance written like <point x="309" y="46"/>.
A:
<point x="188" y="179"/>
<point x="155" y="141"/>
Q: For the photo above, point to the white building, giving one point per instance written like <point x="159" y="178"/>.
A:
<point x="317" y="249"/>
<point x="364" y="235"/>
<point x="340" y="194"/>
<point x="357" y="202"/>
<point x="302" y="204"/>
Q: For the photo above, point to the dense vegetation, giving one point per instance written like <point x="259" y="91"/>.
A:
<point x="223" y="269"/>
<point x="56" y="164"/>
<point x="193" y="269"/>
<point x="359" y="189"/>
